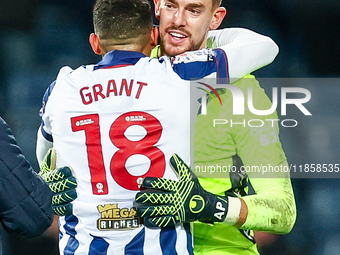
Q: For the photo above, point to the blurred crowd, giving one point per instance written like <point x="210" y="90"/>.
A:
<point x="38" y="37"/>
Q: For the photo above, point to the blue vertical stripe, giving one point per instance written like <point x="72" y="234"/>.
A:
<point x="189" y="238"/>
<point x="222" y="67"/>
<point x="136" y="245"/>
<point x="72" y="243"/>
<point x="98" y="246"/>
<point x="168" y="238"/>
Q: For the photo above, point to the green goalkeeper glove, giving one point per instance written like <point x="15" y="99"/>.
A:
<point x="170" y="202"/>
<point x="61" y="182"/>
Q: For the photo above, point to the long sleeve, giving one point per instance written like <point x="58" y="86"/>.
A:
<point x="25" y="199"/>
<point x="273" y="207"/>
<point x="246" y="50"/>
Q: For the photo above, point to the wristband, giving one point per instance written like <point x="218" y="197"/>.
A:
<point x="234" y="209"/>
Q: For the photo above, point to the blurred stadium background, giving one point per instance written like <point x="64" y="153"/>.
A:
<point x="38" y="37"/>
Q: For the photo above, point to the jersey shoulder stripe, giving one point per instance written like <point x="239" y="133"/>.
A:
<point x="202" y="63"/>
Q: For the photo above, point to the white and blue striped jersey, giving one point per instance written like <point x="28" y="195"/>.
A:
<point x="115" y="123"/>
<point x="118" y="121"/>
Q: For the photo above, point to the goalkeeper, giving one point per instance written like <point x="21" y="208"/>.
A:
<point x="272" y="208"/>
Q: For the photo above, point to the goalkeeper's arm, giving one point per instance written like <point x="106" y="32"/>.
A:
<point x="272" y="209"/>
<point x="170" y="202"/>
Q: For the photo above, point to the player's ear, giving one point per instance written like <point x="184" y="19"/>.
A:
<point x="94" y="41"/>
<point x="157" y="4"/>
<point x="218" y="17"/>
<point x="154" y="37"/>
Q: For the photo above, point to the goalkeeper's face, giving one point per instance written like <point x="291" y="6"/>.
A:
<point x="184" y="24"/>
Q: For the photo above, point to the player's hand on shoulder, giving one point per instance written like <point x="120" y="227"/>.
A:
<point x="61" y="182"/>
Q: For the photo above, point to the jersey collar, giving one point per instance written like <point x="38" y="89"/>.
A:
<point x="119" y="58"/>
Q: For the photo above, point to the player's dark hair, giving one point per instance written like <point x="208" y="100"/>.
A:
<point x="122" y="19"/>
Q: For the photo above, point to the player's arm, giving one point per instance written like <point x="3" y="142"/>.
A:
<point x="272" y="209"/>
<point x="239" y="52"/>
<point x="60" y="180"/>
<point x="42" y="147"/>
<point x="25" y="200"/>
<point x="168" y="202"/>
<point x="44" y="137"/>
<point x="246" y="50"/>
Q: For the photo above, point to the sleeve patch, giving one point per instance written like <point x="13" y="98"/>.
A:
<point x="194" y="56"/>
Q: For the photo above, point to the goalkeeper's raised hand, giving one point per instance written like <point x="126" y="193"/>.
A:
<point x="61" y="182"/>
<point x="170" y="202"/>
